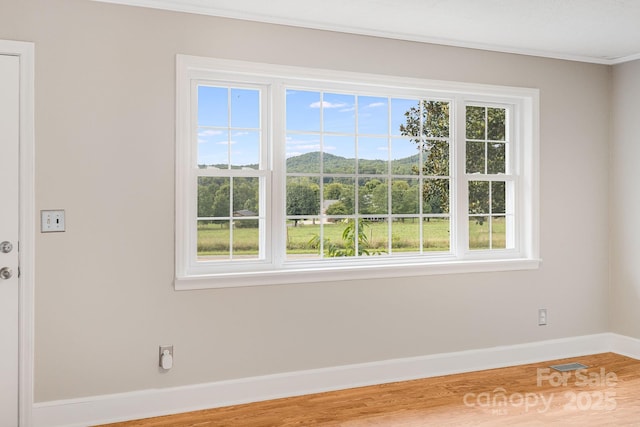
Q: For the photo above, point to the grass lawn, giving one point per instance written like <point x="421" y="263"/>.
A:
<point x="213" y="239"/>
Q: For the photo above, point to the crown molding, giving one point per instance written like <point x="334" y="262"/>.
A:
<point x="201" y="8"/>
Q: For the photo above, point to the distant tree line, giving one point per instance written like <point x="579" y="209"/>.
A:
<point x="427" y="125"/>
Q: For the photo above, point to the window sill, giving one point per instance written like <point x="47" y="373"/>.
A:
<point x="351" y="272"/>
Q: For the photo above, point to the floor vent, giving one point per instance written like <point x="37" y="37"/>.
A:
<point x="568" y="367"/>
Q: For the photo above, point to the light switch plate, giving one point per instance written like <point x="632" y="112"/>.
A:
<point x="52" y="221"/>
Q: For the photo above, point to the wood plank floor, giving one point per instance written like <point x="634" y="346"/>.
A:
<point x="605" y="394"/>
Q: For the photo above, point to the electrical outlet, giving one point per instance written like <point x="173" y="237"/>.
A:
<point x="52" y="221"/>
<point x="542" y="317"/>
<point x="167" y="352"/>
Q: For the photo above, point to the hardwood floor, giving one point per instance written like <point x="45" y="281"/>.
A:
<point x="607" y="393"/>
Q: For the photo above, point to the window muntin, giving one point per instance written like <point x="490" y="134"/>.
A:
<point x="442" y="236"/>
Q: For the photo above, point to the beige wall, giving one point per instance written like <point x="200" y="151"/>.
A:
<point x="625" y="200"/>
<point x="105" y="82"/>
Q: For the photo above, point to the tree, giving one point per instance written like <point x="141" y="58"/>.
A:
<point x="424" y="123"/>
<point x="344" y="193"/>
<point x="372" y="197"/>
<point x="302" y="200"/>
<point x="245" y="194"/>
<point x="485" y="146"/>
<point x="486" y="154"/>
<point x="206" y="190"/>
<point x="337" y="208"/>
<point x="221" y="203"/>
<point x="404" y="198"/>
<point x="333" y="191"/>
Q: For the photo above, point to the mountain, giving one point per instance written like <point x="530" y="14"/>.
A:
<point x="309" y="162"/>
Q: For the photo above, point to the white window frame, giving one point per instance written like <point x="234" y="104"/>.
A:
<point x="272" y="267"/>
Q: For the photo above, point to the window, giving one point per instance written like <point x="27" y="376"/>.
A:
<point x="490" y="179"/>
<point x="231" y="173"/>
<point x="286" y="174"/>
<point x="366" y="175"/>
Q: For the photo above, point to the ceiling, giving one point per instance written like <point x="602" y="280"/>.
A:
<point x="599" y="31"/>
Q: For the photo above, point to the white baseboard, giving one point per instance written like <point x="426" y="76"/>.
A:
<point x="156" y="402"/>
<point x="624" y="345"/>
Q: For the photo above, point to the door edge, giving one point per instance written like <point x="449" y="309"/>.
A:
<point x="27" y="219"/>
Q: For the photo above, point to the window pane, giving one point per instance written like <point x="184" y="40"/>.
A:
<point x="213" y="197"/>
<point x="345" y="238"/>
<point x="405" y="236"/>
<point x="405" y="117"/>
<point x="405" y="157"/>
<point x="245" y="150"/>
<point x="213" y="240"/>
<point x="339" y="112"/>
<point x="374" y="237"/>
<point x="498" y="200"/>
<point x="479" y="197"/>
<point x="246" y="238"/>
<point x="303" y="237"/>
<point x="475" y="122"/>
<point x="303" y="110"/>
<point x="346" y="245"/>
<point x="436" y="158"/>
<point x="303" y="196"/>
<point x="213" y="148"/>
<point x="436" y="234"/>
<point x="213" y="106"/>
<point x="339" y="154"/>
<point x="498" y="232"/>
<point x="373" y="155"/>
<point x="479" y="233"/>
<point x="245" y="197"/>
<point x="373" y="115"/>
<point x="496" y="157"/>
<point x="405" y="196"/>
<point x="339" y="196"/>
<point x="245" y="108"/>
<point x="475" y="157"/>
<point x="303" y="153"/>
<point x="437" y="119"/>
<point x="435" y="196"/>
<point x="373" y="196"/>
<point x="496" y="123"/>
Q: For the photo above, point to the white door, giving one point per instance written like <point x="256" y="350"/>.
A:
<point x="9" y="214"/>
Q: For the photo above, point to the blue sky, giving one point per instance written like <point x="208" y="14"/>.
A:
<point x="229" y="121"/>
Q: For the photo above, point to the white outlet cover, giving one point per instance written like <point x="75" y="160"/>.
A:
<point x="52" y="221"/>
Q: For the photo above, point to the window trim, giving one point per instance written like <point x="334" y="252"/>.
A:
<point x="189" y="275"/>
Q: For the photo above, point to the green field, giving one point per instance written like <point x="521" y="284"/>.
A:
<point x="213" y="239"/>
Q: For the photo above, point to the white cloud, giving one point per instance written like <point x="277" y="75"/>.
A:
<point x="327" y="104"/>
<point x="303" y="142"/>
<point x="376" y="105"/>
<point x="308" y="147"/>
<point x="210" y="132"/>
